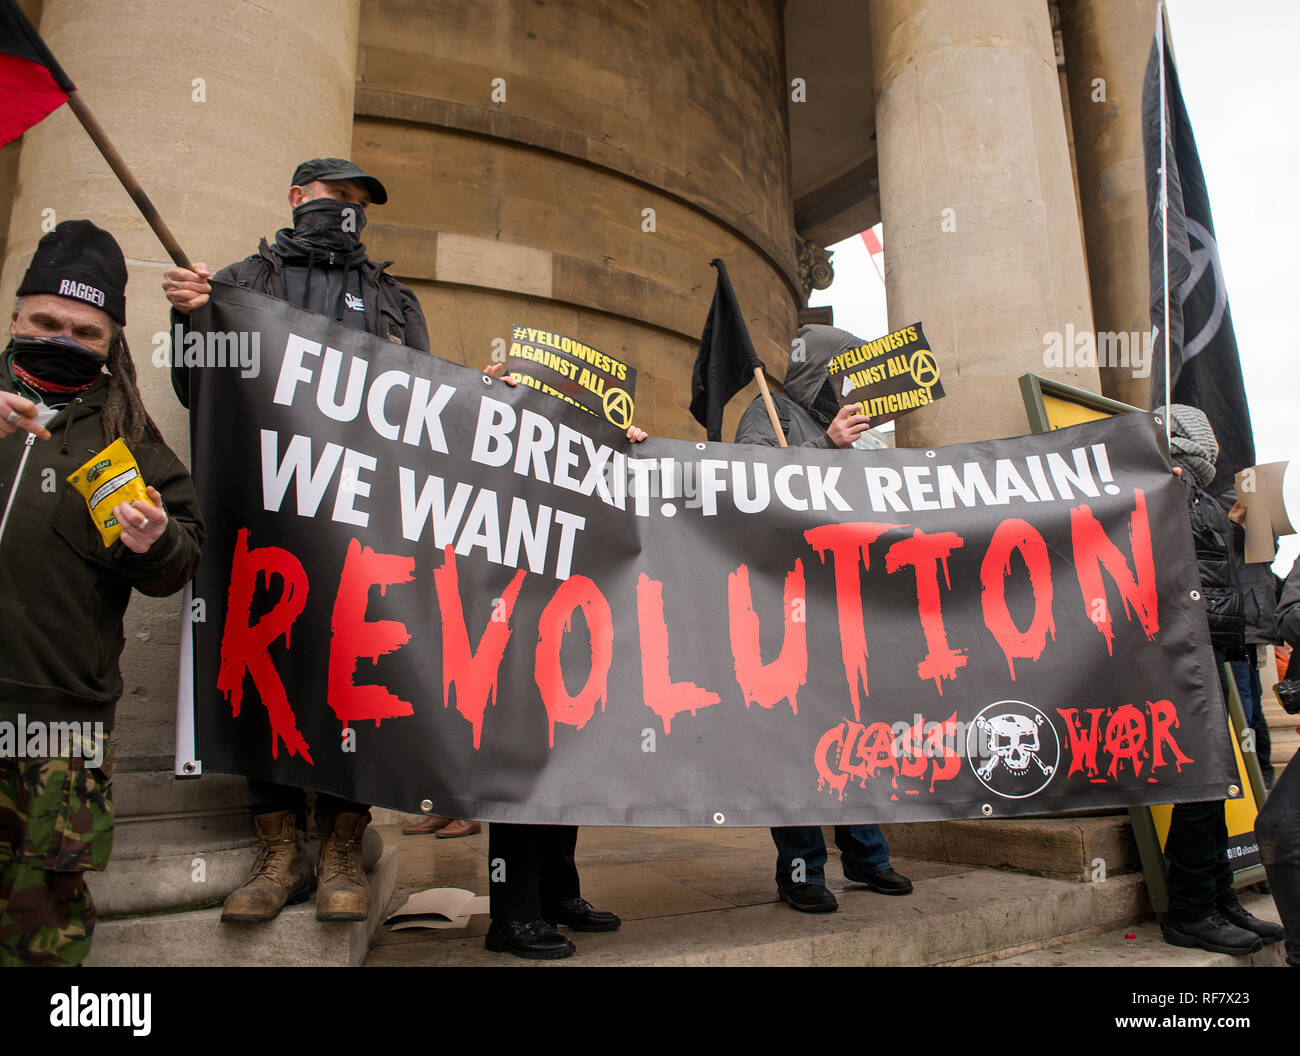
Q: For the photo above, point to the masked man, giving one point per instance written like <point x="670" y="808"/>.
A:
<point x="68" y="390"/>
<point x="318" y="264"/>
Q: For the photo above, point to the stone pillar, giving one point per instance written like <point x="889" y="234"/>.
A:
<point x="575" y="167"/>
<point x="978" y="204"/>
<point x="212" y="110"/>
<point x="1106" y="44"/>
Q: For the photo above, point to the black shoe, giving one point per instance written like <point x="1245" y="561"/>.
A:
<point x="1235" y="913"/>
<point x="1212" y="933"/>
<point x="809" y="898"/>
<point x="578" y="914"/>
<point x="884" y="881"/>
<point x="534" y="939"/>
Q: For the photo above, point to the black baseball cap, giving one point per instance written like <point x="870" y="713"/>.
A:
<point x="338" y="169"/>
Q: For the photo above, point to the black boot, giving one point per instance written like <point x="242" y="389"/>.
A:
<point x="1212" y="933"/>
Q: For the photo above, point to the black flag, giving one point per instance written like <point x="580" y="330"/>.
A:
<point x="1205" y="370"/>
<point x="727" y="359"/>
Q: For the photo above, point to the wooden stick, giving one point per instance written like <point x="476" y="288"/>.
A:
<point x="771" y="407"/>
<point x="132" y="185"/>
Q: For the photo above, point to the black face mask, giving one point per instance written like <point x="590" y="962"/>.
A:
<point x="328" y="223"/>
<point x="825" y="407"/>
<point x="59" y="360"/>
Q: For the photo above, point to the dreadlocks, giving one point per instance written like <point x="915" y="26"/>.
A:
<point x="124" y="413"/>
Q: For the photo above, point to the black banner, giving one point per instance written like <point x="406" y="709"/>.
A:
<point x="422" y="584"/>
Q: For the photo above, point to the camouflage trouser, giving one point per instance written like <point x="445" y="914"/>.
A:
<point x="56" y="822"/>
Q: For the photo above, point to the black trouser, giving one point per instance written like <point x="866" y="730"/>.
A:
<point x="530" y="869"/>
<point x="1196" y="852"/>
<point x="268" y="797"/>
<point x="1278" y="829"/>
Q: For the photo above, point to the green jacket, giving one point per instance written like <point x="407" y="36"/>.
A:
<point x="62" y="592"/>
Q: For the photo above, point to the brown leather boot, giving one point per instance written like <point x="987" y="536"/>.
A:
<point x="342" y="890"/>
<point x="281" y="873"/>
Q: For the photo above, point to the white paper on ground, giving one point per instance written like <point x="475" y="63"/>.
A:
<point x="439" y="907"/>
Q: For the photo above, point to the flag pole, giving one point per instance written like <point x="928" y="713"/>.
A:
<point x="1164" y="205"/>
<point x="771" y="407"/>
<point x="100" y="138"/>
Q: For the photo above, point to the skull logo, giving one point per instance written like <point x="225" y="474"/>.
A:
<point x="1013" y="749"/>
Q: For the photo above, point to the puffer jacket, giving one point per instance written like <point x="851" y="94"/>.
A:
<point x="64" y="592"/>
<point x="1217" y="539"/>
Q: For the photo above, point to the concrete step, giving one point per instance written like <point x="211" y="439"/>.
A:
<point x="1077" y="848"/>
<point x="708" y="897"/>
<point x="1145" y="949"/>
<point x="198" y="938"/>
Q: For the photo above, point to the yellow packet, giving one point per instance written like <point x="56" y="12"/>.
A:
<point x="108" y="478"/>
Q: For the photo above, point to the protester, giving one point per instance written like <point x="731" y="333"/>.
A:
<point x="68" y="390"/>
<point x="321" y="265"/>
<point x="811" y="417"/>
<point x="1203" y="908"/>
<point x="539" y="887"/>
<point x="1278" y="825"/>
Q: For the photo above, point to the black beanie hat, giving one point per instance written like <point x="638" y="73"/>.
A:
<point x="83" y="262"/>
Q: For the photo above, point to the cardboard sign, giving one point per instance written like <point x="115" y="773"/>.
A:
<point x="888" y="377"/>
<point x="567" y="369"/>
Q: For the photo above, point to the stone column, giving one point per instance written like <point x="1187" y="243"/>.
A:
<point x="1106" y="44"/>
<point x="978" y="204"/>
<point x="575" y="167"/>
<point x="212" y="108"/>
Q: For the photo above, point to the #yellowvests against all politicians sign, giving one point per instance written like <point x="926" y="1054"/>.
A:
<point x="569" y="370"/>
<point x="889" y="376"/>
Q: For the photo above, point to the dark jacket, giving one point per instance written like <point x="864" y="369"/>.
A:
<point x="1217" y="539"/>
<point x="1288" y="610"/>
<point x="325" y="283"/>
<point x="64" y="593"/>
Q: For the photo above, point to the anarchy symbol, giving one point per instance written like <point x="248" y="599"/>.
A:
<point x="618" y="407"/>
<point x="925" y="371"/>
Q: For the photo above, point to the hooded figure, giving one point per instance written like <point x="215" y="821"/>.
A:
<point x="805" y="412"/>
<point x="808" y="405"/>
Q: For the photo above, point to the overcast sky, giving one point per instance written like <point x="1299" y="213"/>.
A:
<point x="1241" y="84"/>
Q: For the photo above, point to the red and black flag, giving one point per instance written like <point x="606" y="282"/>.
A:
<point x="727" y="358"/>
<point x="32" y="83"/>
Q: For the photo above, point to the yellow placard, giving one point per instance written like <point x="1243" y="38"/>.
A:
<point x="110" y="477"/>
<point x="1061" y="413"/>
<point x="1240" y="815"/>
